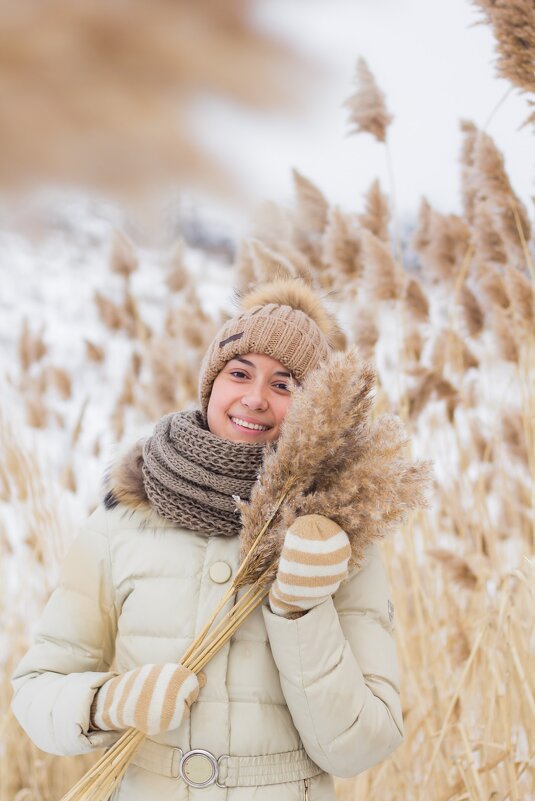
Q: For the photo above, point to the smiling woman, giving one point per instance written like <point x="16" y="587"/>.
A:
<point x="250" y="398"/>
<point x="308" y="685"/>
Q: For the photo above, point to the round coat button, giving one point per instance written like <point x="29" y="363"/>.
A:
<point x="220" y="572"/>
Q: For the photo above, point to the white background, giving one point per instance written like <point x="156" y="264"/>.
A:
<point x="435" y="65"/>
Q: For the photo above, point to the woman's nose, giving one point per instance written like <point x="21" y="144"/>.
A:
<point x="254" y="398"/>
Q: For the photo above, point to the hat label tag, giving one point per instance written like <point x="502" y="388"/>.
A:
<point x="230" y="339"/>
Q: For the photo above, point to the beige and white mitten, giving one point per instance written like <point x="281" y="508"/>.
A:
<point x="313" y="563"/>
<point x="152" y="698"/>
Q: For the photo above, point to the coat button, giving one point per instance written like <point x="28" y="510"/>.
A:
<point x="220" y="572"/>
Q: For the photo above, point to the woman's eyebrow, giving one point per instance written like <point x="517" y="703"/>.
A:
<point x="250" y="364"/>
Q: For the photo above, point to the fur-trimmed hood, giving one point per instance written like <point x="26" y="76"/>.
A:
<point x="123" y="481"/>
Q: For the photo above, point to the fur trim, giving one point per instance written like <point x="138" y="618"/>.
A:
<point x="294" y="292"/>
<point x="124" y="482"/>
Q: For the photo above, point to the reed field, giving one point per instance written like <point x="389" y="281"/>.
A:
<point x="108" y="336"/>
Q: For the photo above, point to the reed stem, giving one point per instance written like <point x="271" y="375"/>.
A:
<point x="234" y="586"/>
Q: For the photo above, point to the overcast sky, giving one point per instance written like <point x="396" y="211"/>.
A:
<point x="435" y="67"/>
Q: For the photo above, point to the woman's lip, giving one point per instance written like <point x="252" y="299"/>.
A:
<point x="249" y="420"/>
<point x="252" y="431"/>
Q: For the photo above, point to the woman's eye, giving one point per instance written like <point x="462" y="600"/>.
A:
<point x="280" y="385"/>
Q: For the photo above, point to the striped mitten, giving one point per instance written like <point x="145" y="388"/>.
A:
<point x="152" y="698"/>
<point x="313" y="563"/>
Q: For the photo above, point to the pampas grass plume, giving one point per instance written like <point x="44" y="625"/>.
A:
<point x="177" y="274"/>
<point x="94" y="352"/>
<point x="513" y="24"/>
<point x="472" y="313"/>
<point x="267" y="264"/>
<point x="123" y="257"/>
<point x="456" y="567"/>
<point x="365" y="330"/>
<point x="342" y="249"/>
<point x="382" y="278"/>
<point x="367" y="106"/>
<point x="520" y="291"/>
<point x="491" y="285"/>
<point x="342" y="464"/>
<point x="311" y="204"/>
<point x="377" y="212"/>
<point x="506" y="342"/>
<point x="416" y="300"/>
<point x="31" y="347"/>
<point x="332" y="399"/>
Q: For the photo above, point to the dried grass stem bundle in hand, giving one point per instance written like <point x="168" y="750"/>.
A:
<point x="337" y="462"/>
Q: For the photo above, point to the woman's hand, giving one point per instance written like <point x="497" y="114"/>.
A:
<point x="313" y="563"/>
<point x="152" y="698"/>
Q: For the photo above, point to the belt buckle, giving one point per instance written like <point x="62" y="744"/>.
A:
<point x="198" y="768"/>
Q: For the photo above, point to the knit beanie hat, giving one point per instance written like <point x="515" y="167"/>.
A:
<point x="284" y="319"/>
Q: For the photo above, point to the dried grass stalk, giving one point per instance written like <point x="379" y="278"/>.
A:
<point x="491" y="285"/>
<point x="504" y="337"/>
<point x="367" y="106"/>
<point x="451" y="350"/>
<point x="520" y="291"/>
<point x="177" y="277"/>
<point x="365" y="330"/>
<point x="513" y="24"/>
<point x="499" y="212"/>
<point x="513" y="430"/>
<point x="441" y="241"/>
<point x="110" y="93"/>
<point x="110" y="313"/>
<point x="95" y="353"/>
<point x="416" y="300"/>
<point x="382" y="278"/>
<point x="456" y="567"/>
<point x="469" y="132"/>
<point x="472" y="313"/>
<point x="487" y="240"/>
<point x="431" y="384"/>
<point x="123" y="259"/>
<point x="31" y="347"/>
<point x="377" y="214"/>
<point x="311" y="204"/>
<point x="342" y="248"/>
<point x="267" y="264"/>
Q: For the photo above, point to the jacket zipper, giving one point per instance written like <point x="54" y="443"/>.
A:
<point x="305" y="797"/>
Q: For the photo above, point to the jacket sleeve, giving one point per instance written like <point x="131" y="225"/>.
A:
<point x="339" y="672"/>
<point x="55" y="682"/>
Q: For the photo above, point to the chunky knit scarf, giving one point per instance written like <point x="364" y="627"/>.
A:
<point x="192" y="476"/>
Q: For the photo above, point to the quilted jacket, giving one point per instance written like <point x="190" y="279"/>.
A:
<point x="316" y="696"/>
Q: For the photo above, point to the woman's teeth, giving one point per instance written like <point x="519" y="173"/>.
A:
<point x="254" y="426"/>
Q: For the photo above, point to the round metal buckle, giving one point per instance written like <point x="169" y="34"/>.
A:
<point x="198" y="768"/>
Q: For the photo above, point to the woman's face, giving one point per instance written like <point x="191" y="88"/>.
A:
<point x="253" y="389"/>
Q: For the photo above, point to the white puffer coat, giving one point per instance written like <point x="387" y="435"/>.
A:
<point x="136" y="590"/>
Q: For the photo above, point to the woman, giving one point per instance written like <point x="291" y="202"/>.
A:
<point x="306" y="688"/>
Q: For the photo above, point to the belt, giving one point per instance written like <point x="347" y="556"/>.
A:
<point x="200" y="768"/>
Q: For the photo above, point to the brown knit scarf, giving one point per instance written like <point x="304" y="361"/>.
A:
<point x="191" y="475"/>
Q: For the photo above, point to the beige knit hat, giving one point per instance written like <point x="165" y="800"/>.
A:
<point x="284" y="319"/>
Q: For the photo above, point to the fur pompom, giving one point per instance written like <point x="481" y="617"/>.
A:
<point x="294" y="292"/>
